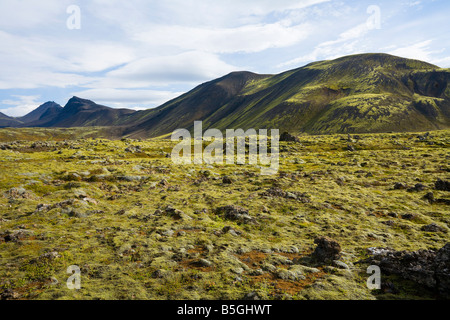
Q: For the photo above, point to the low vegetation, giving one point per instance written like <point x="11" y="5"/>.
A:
<point x="140" y="227"/>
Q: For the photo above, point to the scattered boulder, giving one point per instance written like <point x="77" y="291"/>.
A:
<point x="251" y="296"/>
<point x="442" y="185"/>
<point x="133" y="149"/>
<point x="9" y="294"/>
<point x="16" y="235"/>
<point x="159" y="274"/>
<point x="18" y="193"/>
<point x="203" y="263"/>
<point x="418" y="187"/>
<point x="430" y="197"/>
<point x="393" y="214"/>
<point x="284" y="274"/>
<point x="327" y="250"/>
<point x="433" y="227"/>
<point x="74" y="212"/>
<point x="227" y="180"/>
<point x="423" y="137"/>
<point x="168" y="233"/>
<point x="341" y="265"/>
<point x="46" y="257"/>
<point x="287" y="137"/>
<point x="231" y="231"/>
<point x="130" y="178"/>
<point x="294" y="195"/>
<point x="163" y="183"/>
<point x="408" y="216"/>
<point x="238" y="270"/>
<point x="400" y="186"/>
<point x="236" y="213"/>
<point x="274" y="192"/>
<point x="176" y="214"/>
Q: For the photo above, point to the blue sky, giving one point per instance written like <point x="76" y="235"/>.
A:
<point x="139" y="53"/>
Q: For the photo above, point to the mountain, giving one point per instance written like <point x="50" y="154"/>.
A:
<point x="363" y="93"/>
<point x="201" y="103"/>
<point x="6" y="121"/>
<point x="81" y="113"/>
<point x="44" y="111"/>
<point x="354" y="94"/>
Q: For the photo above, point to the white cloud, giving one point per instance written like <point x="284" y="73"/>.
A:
<point x="30" y="13"/>
<point x="127" y="98"/>
<point x="442" y="62"/>
<point x="22" y="105"/>
<point x="150" y="45"/>
<point x="345" y="44"/>
<point x="419" y="51"/>
<point x="189" y="67"/>
<point x="217" y="14"/>
<point x="62" y="55"/>
<point x="248" y="39"/>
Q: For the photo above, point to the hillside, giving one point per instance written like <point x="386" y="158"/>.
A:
<point x="6" y="121"/>
<point x="48" y="109"/>
<point x="83" y="113"/>
<point x="366" y="93"/>
<point x="354" y="94"/>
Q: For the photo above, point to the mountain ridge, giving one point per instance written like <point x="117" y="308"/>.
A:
<point x="352" y="94"/>
<point x="363" y="93"/>
<point x="7" y="121"/>
<point x="44" y="110"/>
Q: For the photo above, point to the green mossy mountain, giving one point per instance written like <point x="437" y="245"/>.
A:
<point x="354" y="94"/>
<point x="365" y="93"/>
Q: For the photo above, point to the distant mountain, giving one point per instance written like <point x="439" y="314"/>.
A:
<point x="353" y="94"/>
<point x="203" y="102"/>
<point x="6" y="121"/>
<point x="363" y="93"/>
<point x="82" y="113"/>
<point x="44" y="111"/>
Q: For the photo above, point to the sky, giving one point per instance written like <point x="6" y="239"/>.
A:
<point x="139" y="54"/>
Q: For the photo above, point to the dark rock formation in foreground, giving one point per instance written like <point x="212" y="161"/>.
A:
<point x="327" y="250"/>
<point x="427" y="267"/>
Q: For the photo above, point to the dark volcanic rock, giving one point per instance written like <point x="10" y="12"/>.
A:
<point x="16" y="235"/>
<point x="442" y="185"/>
<point x="176" y="214"/>
<point x="18" y="193"/>
<point x="400" y="186"/>
<point x="350" y="148"/>
<point x="278" y="192"/>
<point x="426" y="267"/>
<point x="433" y="227"/>
<point x="418" y="187"/>
<point x="327" y="250"/>
<point x="429" y="196"/>
<point x="287" y="137"/>
<point x="442" y="270"/>
<point x="236" y="213"/>
<point x="227" y="180"/>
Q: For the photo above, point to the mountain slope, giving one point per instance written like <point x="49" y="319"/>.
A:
<point x="82" y="113"/>
<point x="47" y="109"/>
<point x="202" y="102"/>
<point x="353" y="94"/>
<point x="6" y="121"/>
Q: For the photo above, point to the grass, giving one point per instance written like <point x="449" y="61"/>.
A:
<point x="118" y="232"/>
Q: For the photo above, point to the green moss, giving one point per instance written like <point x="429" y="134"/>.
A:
<point x="111" y="228"/>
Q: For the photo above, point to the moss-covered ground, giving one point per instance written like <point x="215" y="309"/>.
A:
<point x="113" y="209"/>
